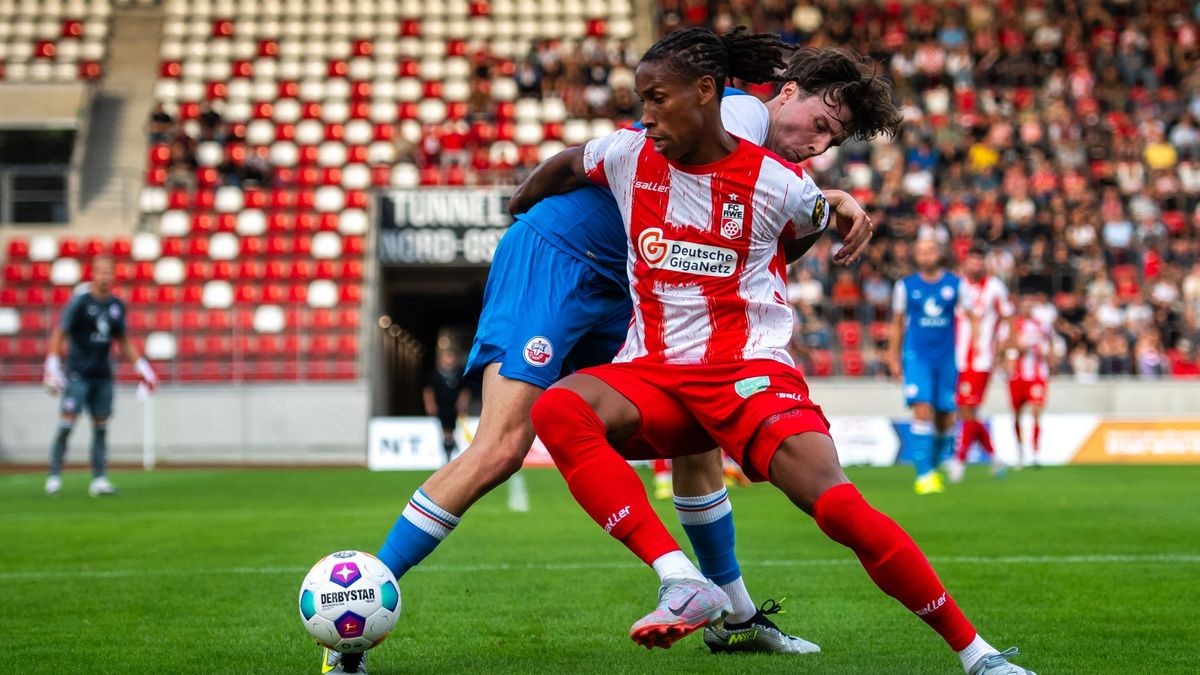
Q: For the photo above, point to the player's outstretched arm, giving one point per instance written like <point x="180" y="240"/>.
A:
<point x="561" y="173"/>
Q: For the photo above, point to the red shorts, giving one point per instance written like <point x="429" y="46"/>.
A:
<point x="746" y="408"/>
<point x="972" y="385"/>
<point x="1027" y="391"/>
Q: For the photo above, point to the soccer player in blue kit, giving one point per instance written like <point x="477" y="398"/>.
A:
<point x="922" y="349"/>
<point x="557" y="300"/>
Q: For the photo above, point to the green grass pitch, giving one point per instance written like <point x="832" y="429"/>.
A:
<point x="1086" y="569"/>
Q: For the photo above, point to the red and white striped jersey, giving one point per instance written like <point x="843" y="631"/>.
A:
<point x="1034" y="341"/>
<point x="981" y="307"/>
<point x="706" y="267"/>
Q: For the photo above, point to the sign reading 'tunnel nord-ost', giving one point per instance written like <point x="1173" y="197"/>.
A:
<point x="442" y="226"/>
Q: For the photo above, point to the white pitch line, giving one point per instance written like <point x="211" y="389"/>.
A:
<point x="1111" y="559"/>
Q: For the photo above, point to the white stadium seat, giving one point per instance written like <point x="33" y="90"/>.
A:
<point x="168" y="272"/>
<point x="174" y="223"/>
<point x="217" y="295"/>
<point x="329" y="199"/>
<point x="322" y="293"/>
<point x="251" y="223"/>
<point x="147" y="246"/>
<point x="228" y="199"/>
<point x="353" y="222"/>
<point x="152" y="200"/>
<point x="326" y="246"/>
<point x="43" y="248"/>
<point x="356" y="177"/>
<point x="65" y="272"/>
<point x="160" y="346"/>
<point x="269" y="319"/>
<point x="223" y="246"/>
<point x="10" y="321"/>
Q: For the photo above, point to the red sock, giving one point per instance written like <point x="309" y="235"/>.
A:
<point x="985" y="438"/>
<point x="892" y="560"/>
<point x="964" y="443"/>
<point x="661" y="467"/>
<point x="1037" y="434"/>
<point x="600" y="479"/>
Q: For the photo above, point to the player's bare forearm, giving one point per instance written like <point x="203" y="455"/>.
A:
<point x="794" y="249"/>
<point x="56" y="342"/>
<point x="128" y="350"/>
<point x="561" y="173"/>
<point x="895" y="338"/>
<point x="852" y="223"/>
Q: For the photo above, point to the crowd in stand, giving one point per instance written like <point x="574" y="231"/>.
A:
<point x="1064" y="133"/>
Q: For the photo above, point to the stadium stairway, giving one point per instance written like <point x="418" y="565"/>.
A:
<point x="116" y="145"/>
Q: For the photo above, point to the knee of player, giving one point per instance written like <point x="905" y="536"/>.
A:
<point x="549" y="412"/>
<point x="67" y="421"/>
<point x="100" y="422"/>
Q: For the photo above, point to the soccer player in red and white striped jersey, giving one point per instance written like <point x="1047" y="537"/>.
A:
<point x="984" y="310"/>
<point x="1028" y="350"/>
<point x="705" y="363"/>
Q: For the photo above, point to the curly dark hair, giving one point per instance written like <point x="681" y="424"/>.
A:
<point x="696" y="52"/>
<point x="849" y="81"/>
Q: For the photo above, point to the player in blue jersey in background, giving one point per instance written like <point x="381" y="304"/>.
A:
<point x="922" y="351"/>
<point x="557" y="300"/>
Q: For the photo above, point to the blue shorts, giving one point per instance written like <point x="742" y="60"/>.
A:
<point x="95" y="394"/>
<point x="932" y="381"/>
<point x="546" y="313"/>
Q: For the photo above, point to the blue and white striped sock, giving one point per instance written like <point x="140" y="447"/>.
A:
<point x="417" y="531"/>
<point x="708" y="522"/>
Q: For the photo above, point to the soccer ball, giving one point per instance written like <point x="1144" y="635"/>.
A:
<point x="349" y="601"/>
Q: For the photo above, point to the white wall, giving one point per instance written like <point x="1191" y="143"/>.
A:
<point x="286" y="424"/>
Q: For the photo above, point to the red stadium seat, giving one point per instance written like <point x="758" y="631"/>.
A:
<point x="18" y="249"/>
<point x="852" y="363"/>
<point x="169" y="295"/>
<point x="142" y="295"/>
<point x="94" y="246"/>
<point x="822" y="362"/>
<point x="15" y="274"/>
<point x="849" y="334"/>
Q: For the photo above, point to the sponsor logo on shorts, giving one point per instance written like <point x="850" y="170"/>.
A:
<point x="732" y="217"/>
<point x="911" y="390"/>
<point x="538" y="351"/>
<point x="680" y="256"/>
<point x="69" y="405"/>
<point x="964" y="388"/>
<point x="1037" y="390"/>
<point x="751" y="385"/>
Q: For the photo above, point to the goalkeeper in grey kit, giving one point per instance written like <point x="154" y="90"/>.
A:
<point x="92" y="321"/>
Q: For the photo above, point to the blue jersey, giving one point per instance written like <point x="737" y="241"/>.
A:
<point x="586" y="224"/>
<point x="929" y="309"/>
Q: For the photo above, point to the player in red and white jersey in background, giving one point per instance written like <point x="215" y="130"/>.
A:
<point x="1029" y="353"/>
<point x="984" y="309"/>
